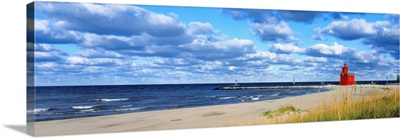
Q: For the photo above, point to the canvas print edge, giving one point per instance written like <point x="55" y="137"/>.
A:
<point x="32" y="89"/>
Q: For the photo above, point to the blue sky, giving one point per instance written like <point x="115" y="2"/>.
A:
<point x="105" y="44"/>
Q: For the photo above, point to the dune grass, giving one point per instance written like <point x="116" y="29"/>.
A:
<point x="281" y="111"/>
<point x="378" y="105"/>
<point x="347" y="105"/>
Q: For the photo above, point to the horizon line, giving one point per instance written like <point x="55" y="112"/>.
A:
<point x="195" y="83"/>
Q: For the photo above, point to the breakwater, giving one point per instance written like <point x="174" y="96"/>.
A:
<point x="274" y="87"/>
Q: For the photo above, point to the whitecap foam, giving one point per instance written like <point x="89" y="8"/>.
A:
<point x="129" y="109"/>
<point x="41" y="109"/>
<point x="37" y="110"/>
<point x="104" y="111"/>
<point x="82" y="107"/>
<point x="112" y="100"/>
<point x="275" y="94"/>
<point x="125" y="106"/>
<point x="225" y="98"/>
<point x="255" y="99"/>
<point x="87" y="110"/>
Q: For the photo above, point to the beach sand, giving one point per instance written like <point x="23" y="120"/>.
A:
<point x="199" y="117"/>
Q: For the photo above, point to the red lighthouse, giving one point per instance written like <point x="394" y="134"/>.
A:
<point x="345" y="77"/>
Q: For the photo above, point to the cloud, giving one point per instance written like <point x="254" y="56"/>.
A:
<point x="381" y="35"/>
<point x="318" y="34"/>
<point x="109" y="26"/>
<point x="343" y="15"/>
<point x="268" y="25"/>
<point x="201" y="28"/>
<point x="47" y="53"/>
<point x="223" y="49"/>
<point x="385" y="39"/>
<point x="316" y="59"/>
<point x="47" y="65"/>
<point x="271" y="58"/>
<point x="122" y="20"/>
<point x="111" y="42"/>
<point x="349" y="30"/>
<point x="300" y="16"/>
<point x="99" y="53"/>
<point x="75" y="60"/>
<point x="279" y="32"/>
<point x="319" y="37"/>
<point x="285" y="48"/>
<point x="254" y="15"/>
<point x="261" y="63"/>
<point x="260" y="55"/>
<point x="259" y="16"/>
<point x="199" y="49"/>
<point x="47" y="32"/>
<point x="176" y="62"/>
<point x="290" y="68"/>
<point x="323" y="50"/>
<point x="393" y="18"/>
<point x="329" y="59"/>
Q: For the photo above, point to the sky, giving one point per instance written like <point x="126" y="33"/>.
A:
<point x="107" y="44"/>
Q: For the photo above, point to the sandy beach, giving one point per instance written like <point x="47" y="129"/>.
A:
<point x="200" y="117"/>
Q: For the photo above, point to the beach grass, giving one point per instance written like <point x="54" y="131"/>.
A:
<point x="281" y="111"/>
<point x="348" y="103"/>
<point x="384" y="104"/>
<point x="351" y="103"/>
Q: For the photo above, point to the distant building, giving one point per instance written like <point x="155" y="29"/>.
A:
<point x="345" y="77"/>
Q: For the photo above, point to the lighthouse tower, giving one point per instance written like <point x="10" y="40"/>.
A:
<point x="345" y="77"/>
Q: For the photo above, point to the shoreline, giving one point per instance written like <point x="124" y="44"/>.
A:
<point x="196" y="117"/>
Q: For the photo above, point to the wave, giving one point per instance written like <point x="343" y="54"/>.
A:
<point x="37" y="110"/>
<point x="112" y="100"/>
<point x="129" y="109"/>
<point x="275" y="94"/>
<point x="41" y="109"/>
<point x="255" y="98"/>
<point x="125" y="106"/>
<point x="225" y="98"/>
<point x="82" y="107"/>
<point x="87" y="110"/>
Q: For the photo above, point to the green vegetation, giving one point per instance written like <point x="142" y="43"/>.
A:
<point x="384" y="105"/>
<point x="281" y="111"/>
<point x="346" y="105"/>
<point x="268" y="113"/>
